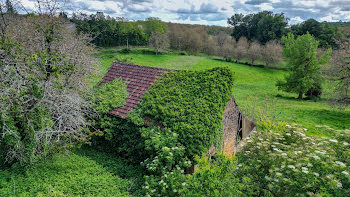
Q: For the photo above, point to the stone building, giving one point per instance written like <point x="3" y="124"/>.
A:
<point x="140" y="78"/>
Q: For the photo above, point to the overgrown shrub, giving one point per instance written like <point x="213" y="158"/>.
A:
<point x="125" y="50"/>
<point x="282" y="161"/>
<point x="190" y="104"/>
<point x="120" y="137"/>
<point x="186" y="109"/>
<point x="286" y="162"/>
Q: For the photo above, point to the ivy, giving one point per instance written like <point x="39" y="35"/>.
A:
<point x="190" y="104"/>
<point x="110" y="96"/>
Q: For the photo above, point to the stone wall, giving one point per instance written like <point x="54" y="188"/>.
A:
<point x="230" y="123"/>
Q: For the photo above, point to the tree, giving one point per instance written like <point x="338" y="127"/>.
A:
<point x="263" y="26"/>
<point x="9" y="7"/>
<point x="225" y="46"/>
<point x="154" y="25"/>
<point x="43" y="83"/>
<point x="303" y="63"/>
<point x="159" y="41"/>
<point x="323" y="32"/>
<point x="271" y="53"/>
<point x="339" y="74"/>
<point x="254" y="52"/>
<point x="240" y="51"/>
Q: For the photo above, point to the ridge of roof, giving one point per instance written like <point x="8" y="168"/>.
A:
<point x="139" y="80"/>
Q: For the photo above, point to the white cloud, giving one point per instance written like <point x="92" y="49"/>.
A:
<point x="213" y="11"/>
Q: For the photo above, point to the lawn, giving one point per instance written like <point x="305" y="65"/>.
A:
<point x="254" y="89"/>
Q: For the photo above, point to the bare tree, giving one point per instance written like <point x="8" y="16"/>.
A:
<point x="225" y="46"/>
<point x="43" y="68"/>
<point x="339" y="73"/>
<point x="241" y="49"/>
<point x="254" y="51"/>
<point x="227" y="50"/>
<point x="271" y="53"/>
<point x="210" y="46"/>
<point x="159" y="41"/>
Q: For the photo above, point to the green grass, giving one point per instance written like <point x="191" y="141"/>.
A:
<point x="85" y="172"/>
<point x="254" y="89"/>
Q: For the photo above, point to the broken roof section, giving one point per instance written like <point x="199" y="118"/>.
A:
<point x="139" y="80"/>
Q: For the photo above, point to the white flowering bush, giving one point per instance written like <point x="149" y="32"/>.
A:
<point x="281" y="160"/>
<point x="284" y="161"/>
<point x="166" y="164"/>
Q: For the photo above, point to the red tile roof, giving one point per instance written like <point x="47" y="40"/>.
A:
<point x="139" y="80"/>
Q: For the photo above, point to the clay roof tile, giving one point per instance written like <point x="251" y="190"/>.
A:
<point x="139" y="80"/>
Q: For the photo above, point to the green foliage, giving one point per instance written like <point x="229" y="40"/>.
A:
<point x="178" y="130"/>
<point x="167" y="163"/>
<point x="166" y="151"/>
<point x="303" y="63"/>
<point x="315" y="91"/>
<point x="110" y="96"/>
<point x="325" y="33"/>
<point x="190" y="104"/>
<point x="214" y="178"/>
<point x="154" y="25"/>
<point x="281" y="161"/>
<point x="285" y="162"/>
<point x="120" y="137"/>
<point x="62" y="175"/>
<point x="263" y="26"/>
<point x="107" y="31"/>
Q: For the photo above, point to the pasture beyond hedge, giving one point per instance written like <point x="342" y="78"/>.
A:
<point x="254" y="89"/>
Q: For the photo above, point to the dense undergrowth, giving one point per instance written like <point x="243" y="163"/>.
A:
<point x="82" y="173"/>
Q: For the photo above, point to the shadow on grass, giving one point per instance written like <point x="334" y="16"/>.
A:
<point x="294" y="98"/>
<point x="117" y="166"/>
<point x="111" y="163"/>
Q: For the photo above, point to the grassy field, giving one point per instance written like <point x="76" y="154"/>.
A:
<point x="254" y="90"/>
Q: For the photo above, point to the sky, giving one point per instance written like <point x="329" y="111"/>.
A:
<point x="210" y="12"/>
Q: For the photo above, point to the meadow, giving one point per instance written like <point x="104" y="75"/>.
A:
<point x="254" y="89"/>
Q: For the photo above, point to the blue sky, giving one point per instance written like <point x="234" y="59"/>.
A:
<point x="210" y="12"/>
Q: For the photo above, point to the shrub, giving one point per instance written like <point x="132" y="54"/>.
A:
<point x="282" y="161"/>
<point x="125" y="50"/>
<point x="286" y="162"/>
<point x="315" y="91"/>
<point x="120" y="137"/>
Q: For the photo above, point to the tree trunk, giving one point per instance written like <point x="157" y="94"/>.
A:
<point x="157" y="52"/>
<point x="127" y="43"/>
<point x="300" y="96"/>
